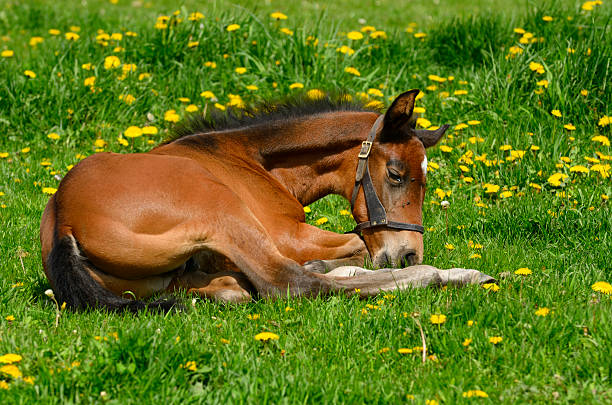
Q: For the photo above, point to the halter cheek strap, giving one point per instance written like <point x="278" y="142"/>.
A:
<point x="377" y="216"/>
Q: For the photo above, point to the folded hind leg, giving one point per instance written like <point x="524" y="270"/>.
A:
<point x="226" y="286"/>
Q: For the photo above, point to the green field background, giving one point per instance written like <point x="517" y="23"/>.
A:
<point x="525" y="87"/>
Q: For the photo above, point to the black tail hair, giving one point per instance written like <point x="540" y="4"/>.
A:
<point x="73" y="284"/>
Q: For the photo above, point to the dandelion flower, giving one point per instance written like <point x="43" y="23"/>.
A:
<point x="542" y="311"/>
<point x="30" y="74"/>
<point x="495" y="339"/>
<point x="232" y="27"/>
<point x="547" y="18"/>
<point x="523" y="271"/>
<point x="7" y="53"/>
<point x="602" y="287"/>
<point x="191" y="108"/>
<point x="604" y="121"/>
<point x="10" y="358"/>
<point x="307" y="210"/>
<point x="71" y="36"/>
<point x="351" y="70"/>
<point x="111" y="62"/>
<point x="265" y="336"/>
<point x="475" y="393"/>
<point x="197" y="16"/>
<point x="11" y="370"/>
<point x="556" y="113"/>
<point x="132" y="132"/>
<point x="437" y="319"/>
<point x="354" y="35"/>
<point x="491" y="286"/>
<point x="277" y="15"/>
<point x="315" y="94"/>
<point x="557" y="179"/>
<point x="461" y="126"/>
<point x="49" y="190"/>
<point x="601" y="139"/>
<point x="207" y="94"/>
<point x="404" y="350"/>
<point x="569" y="127"/>
<point x="321" y="221"/>
<point x="293" y="86"/>
<point x="240" y="70"/>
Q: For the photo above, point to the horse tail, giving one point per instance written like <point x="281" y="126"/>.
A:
<point x="73" y="284"/>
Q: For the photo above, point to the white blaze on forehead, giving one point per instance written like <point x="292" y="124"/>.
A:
<point x="424" y="165"/>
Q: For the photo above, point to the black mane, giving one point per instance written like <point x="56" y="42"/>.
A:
<point x="263" y="114"/>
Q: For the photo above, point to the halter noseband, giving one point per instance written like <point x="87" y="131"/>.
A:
<point x="376" y="212"/>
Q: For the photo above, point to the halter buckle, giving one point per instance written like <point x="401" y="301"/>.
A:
<point x="366" y="147"/>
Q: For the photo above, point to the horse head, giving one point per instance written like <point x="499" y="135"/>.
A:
<point x="390" y="190"/>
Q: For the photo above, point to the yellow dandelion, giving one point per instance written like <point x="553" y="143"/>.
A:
<point x="277" y="15"/>
<point x="449" y="246"/>
<point x="556" y="113"/>
<point x="378" y="34"/>
<point x="296" y="85"/>
<point x="420" y="35"/>
<point x="547" y="18"/>
<point x="53" y="136"/>
<point x="286" y="31"/>
<point x="491" y="287"/>
<point x="490" y="188"/>
<point x="351" y="70"/>
<point x="240" y="70"/>
<point x="475" y="393"/>
<point x="30" y="74"/>
<point x="54" y="32"/>
<point x="10" y="358"/>
<point x="132" y="132"/>
<point x="207" y="94"/>
<point x="495" y="339"/>
<point x="602" y="287"/>
<point x="321" y="221"/>
<point x="557" y="179"/>
<point x="569" y="127"/>
<point x="543" y="311"/>
<point x="315" y="94"/>
<point x="11" y="370"/>
<point x="49" y="190"/>
<point x="437" y="319"/>
<point x="523" y="271"/>
<point x="191" y="108"/>
<point x="111" y="62"/>
<point x="404" y="350"/>
<point x="604" y="121"/>
<point x="354" y="35"/>
<point x="466" y="342"/>
<point x="7" y="53"/>
<point x="601" y="139"/>
<point x="149" y="130"/>
<point x="35" y="41"/>
<point x="171" y="116"/>
<point x="265" y="336"/>
<point x="197" y="16"/>
<point x="192" y="44"/>
<point x="232" y="27"/>
<point x="71" y="36"/>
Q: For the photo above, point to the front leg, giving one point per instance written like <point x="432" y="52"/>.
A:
<point x="321" y="251"/>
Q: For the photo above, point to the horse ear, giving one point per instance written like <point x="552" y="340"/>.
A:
<point x="399" y="114"/>
<point x="430" y="138"/>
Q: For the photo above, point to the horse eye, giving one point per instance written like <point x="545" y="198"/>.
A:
<point x="394" y="176"/>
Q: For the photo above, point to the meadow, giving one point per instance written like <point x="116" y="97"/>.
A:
<point x="526" y="168"/>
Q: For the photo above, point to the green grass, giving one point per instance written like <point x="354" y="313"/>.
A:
<point x="336" y="349"/>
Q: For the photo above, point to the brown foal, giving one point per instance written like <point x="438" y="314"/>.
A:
<point x="219" y="212"/>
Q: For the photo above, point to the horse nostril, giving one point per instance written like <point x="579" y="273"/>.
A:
<point x="408" y="259"/>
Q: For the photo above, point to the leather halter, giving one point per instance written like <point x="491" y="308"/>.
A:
<point x="377" y="216"/>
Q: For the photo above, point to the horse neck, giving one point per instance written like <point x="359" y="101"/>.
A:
<point x="316" y="156"/>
